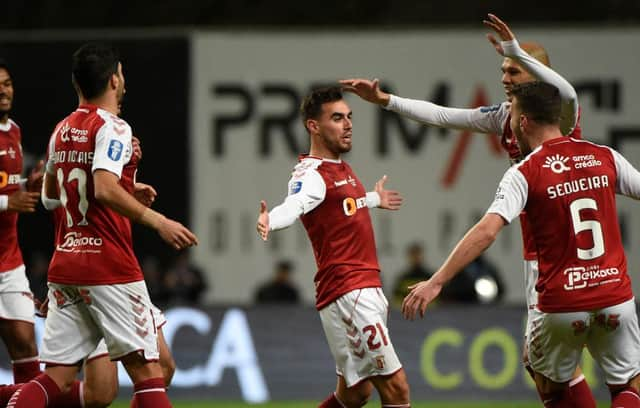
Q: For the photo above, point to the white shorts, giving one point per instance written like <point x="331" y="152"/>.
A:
<point x="356" y="329"/>
<point x="16" y="299"/>
<point x="102" y="351"/>
<point x="80" y="316"/>
<point x="611" y="334"/>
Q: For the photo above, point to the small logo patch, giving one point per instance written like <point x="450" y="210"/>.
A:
<point x="296" y="186"/>
<point x="380" y="362"/>
<point x="115" y="150"/>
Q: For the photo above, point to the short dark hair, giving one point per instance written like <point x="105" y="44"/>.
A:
<point x="4" y="65"/>
<point x="538" y="100"/>
<point x="92" y="66"/>
<point x="311" y="106"/>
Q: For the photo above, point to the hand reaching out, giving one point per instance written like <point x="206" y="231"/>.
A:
<point x="422" y="293"/>
<point x="263" y="221"/>
<point x="389" y="199"/>
<point x="368" y="90"/>
<point x="502" y="30"/>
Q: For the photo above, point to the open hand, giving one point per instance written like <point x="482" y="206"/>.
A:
<point x="368" y="90"/>
<point x="501" y="29"/>
<point x="263" y="221"/>
<point x="389" y="199"/>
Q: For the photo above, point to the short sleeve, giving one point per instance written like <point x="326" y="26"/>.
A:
<point x="511" y="196"/>
<point x="308" y="189"/>
<point x="113" y="147"/>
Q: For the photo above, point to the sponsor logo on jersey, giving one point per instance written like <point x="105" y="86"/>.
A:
<point x="73" y="241"/>
<point x="340" y="183"/>
<point x="351" y="181"/>
<point x="296" y="186"/>
<point x="351" y="205"/>
<point x="585" y="161"/>
<point x="79" y="135"/>
<point x="556" y="163"/>
<point x="6" y="179"/>
<point x="115" y="150"/>
<point x="580" y="277"/>
<point x="64" y="132"/>
<point x="487" y="109"/>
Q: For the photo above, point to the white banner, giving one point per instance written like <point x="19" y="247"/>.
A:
<point x="246" y="133"/>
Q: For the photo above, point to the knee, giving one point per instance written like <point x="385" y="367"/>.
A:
<point x="399" y="392"/>
<point x="356" y="399"/>
<point x="99" y="397"/>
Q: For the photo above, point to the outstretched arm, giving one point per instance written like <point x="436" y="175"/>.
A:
<point x="482" y="120"/>
<point x="474" y="243"/>
<point x="509" y="47"/>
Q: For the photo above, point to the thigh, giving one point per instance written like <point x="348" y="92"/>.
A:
<point x="70" y="333"/>
<point x="124" y="314"/>
<point x="555" y="342"/>
<point x="614" y="342"/>
<point x="16" y="299"/>
<point x="356" y="329"/>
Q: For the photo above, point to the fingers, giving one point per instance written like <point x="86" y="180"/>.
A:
<point x="381" y="182"/>
<point x="263" y="207"/>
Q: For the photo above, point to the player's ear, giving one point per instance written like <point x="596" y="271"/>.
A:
<point x="312" y="125"/>
<point x="114" y="81"/>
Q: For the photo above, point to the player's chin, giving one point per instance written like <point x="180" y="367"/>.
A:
<point x="345" y="147"/>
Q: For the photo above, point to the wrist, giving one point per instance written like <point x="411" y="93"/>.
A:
<point x="384" y="99"/>
<point x="151" y="218"/>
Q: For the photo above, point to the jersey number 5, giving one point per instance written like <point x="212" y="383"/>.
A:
<point x="80" y="176"/>
<point x="594" y="226"/>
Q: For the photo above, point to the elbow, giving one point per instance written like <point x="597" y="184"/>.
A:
<point x="487" y="236"/>
<point x="103" y="195"/>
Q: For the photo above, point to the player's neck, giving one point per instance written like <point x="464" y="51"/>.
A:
<point x="544" y="134"/>
<point x="4" y="119"/>
<point x="103" y="102"/>
<point x="323" y="152"/>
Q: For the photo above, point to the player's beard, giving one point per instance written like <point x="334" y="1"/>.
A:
<point x="334" y="145"/>
<point x="522" y="144"/>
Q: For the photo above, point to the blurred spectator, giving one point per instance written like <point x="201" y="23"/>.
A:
<point x="154" y="278"/>
<point x="279" y="289"/>
<point x="415" y="272"/>
<point x="479" y="282"/>
<point x="183" y="281"/>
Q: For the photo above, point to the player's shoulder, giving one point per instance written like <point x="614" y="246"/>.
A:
<point x="307" y="166"/>
<point x="14" y="124"/>
<point x="118" y="124"/>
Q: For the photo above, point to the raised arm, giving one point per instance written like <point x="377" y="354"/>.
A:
<point x="510" y="48"/>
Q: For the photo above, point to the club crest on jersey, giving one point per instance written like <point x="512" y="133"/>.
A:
<point x="351" y="205"/>
<point x="115" y="150"/>
<point x="296" y="186"/>
<point x="557" y="164"/>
